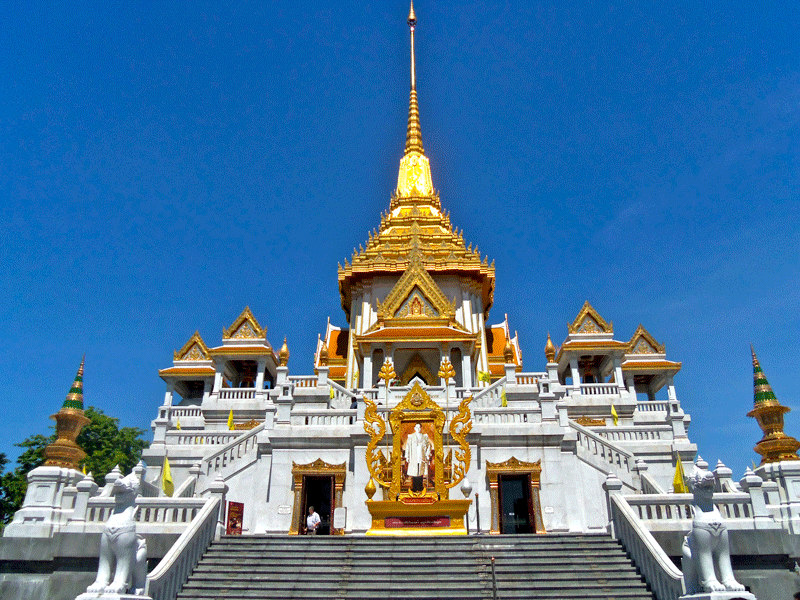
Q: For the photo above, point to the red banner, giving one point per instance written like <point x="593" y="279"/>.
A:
<point x="235" y="514"/>
<point x="392" y="522"/>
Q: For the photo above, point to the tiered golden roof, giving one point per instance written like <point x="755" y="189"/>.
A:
<point x="416" y="219"/>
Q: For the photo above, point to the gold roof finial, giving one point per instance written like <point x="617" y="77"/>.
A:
<point x="323" y="355"/>
<point x="414" y="132"/>
<point x="283" y="355"/>
<point x="550" y="349"/>
<point x="65" y="452"/>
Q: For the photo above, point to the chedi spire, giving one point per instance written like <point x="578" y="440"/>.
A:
<point x="65" y="452"/>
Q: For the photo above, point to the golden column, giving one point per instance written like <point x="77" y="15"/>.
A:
<point x="65" y="452"/>
<point x="775" y="446"/>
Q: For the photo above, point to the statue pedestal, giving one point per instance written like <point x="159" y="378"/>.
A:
<point x="88" y="596"/>
<point x="720" y="596"/>
<point x="418" y="516"/>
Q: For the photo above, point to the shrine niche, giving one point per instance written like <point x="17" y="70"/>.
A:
<point x="418" y="472"/>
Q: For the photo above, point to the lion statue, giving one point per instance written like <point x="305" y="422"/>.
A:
<point x="122" y="552"/>
<point x="706" y="545"/>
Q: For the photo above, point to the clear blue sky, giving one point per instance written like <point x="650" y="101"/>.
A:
<point x="164" y="165"/>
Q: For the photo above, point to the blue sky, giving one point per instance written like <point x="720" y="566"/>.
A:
<point x="164" y="165"/>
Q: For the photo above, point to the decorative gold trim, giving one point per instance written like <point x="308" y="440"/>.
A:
<point x="416" y="277"/>
<point x="417" y="365"/>
<point x="590" y="321"/>
<point x="247" y="425"/>
<point x="244" y="327"/>
<point x="643" y="343"/>
<point x="318" y="467"/>
<point x="589" y="422"/>
<point x="194" y="349"/>
<point x="514" y="466"/>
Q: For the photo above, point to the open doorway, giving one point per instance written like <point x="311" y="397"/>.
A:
<point x="318" y="492"/>
<point x="516" y="507"/>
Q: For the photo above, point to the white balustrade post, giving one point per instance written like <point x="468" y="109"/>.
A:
<point x="196" y="470"/>
<point x="511" y="373"/>
<point x="675" y="417"/>
<point x="751" y="483"/>
<point x="322" y="376"/>
<point x="218" y="489"/>
<point x="723" y="476"/>
<point x="612" y="485"/>
<point x="563" y="418"/>
<point x="86" y="489"/>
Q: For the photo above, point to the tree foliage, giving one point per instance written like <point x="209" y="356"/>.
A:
<point x="105" y="443"/>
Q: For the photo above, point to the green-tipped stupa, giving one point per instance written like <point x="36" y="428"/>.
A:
<point x="775" y="446"/>
<point x="65" y="452"/>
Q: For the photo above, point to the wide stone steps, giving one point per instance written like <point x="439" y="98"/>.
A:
<point x="562" y="567"/>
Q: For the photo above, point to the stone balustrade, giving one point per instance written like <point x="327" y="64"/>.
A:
<point x="180" y="412"/>
<point x="599" y="389"/>
<point x="237" y="394"/>
<point x="327" y="417"/>
<point x="502" y="416"/>
<point x="303" y="381"/>
<point x="663" y="510"/>
<point x="158" y="511"/>
<point x="603" y="449"/>
<point x="530" y="378"/>
<point x="653" y="406"/>
<point x="637" y="434"/>
<point x="241" y="445"/>
<point x="182" y="437"/>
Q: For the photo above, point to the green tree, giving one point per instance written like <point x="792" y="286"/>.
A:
<point x="105" y="443"/>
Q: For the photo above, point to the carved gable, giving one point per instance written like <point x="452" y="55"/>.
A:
<point x="589" y="321"/>
<point x="244" y="327"/>
<point x="644" y="343"/>
<point x="416" y="295"/>
<point x="194" y="349"/>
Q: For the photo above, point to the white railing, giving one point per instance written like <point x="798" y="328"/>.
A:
<point x="237" y="394"/>
<point x="174" y="569"/>
<point x="160" y="511"/>
<point x="178" y="412"/>
<point x="655" y="509"/>
<point x="489" y="396"/>
<point x="649" y="484"/>
<point x="187" y="488"/>
<point x="653" y="406"/>
<point x="664" y="578"/>
<point x="606" y="451"/>
<point x="530" y="378"/>
<point x="303" y="381"/>
<point x="600" y="389"/>
<point x="492" y="416"/>
<point x="324" y="417"/>
<point x="242" y="445"/>
<point x="637" y="434"/>
<point x="201" y="438"/>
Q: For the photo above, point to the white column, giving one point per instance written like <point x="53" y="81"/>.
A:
<point x="466" y="370"/>
<point x="671" y="389"/>
<point x="218" y="378"/>
<point x="366" y="376"/>
<point x="262" y="365"/>
<point x="168" y="394"/>
<point x="576" y="376"/>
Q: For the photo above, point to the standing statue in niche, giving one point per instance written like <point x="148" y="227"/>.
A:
<point x="706" y="545"/>
<point x="417" y="455"/>
<point x="123" y="554"/>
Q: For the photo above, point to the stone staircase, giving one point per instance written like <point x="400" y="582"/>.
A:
<point x="527" y="566"/>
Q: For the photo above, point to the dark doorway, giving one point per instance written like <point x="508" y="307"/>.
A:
<point x="318" y="492"/>
<point x="515" y="504"/>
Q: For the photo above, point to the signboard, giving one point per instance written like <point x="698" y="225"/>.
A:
<point x="235" y="515"/>
<point x="392" y="522"/>
<point x="339" y="517"/>
<point x="284" y="509"/>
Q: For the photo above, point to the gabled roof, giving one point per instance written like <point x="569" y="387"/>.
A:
<point x="195" y="349"/>
<point x="590" y="321"/>
<point x="644" y="343"/>
<point x="416" y="277"/>
<point x="244" y="327"/>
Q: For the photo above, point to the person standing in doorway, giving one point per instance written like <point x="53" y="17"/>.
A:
<point x="312" y="521"/>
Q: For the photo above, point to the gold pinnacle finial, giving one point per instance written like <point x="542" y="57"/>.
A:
<point x="414" y="132"/>
<point x="283" y="355"/>
<point x="550" y="349"/>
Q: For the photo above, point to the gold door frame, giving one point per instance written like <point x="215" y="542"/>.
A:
<point x="318" y="467"/>
<point x="514" y="466"/>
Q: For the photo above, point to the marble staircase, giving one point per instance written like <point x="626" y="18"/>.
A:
<point x="359" y="568"/>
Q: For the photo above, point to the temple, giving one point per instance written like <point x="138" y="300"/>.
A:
<point x="417" y="416"/>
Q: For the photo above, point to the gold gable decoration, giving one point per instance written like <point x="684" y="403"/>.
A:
<point x="590" y="321"/>
<point x="644" y="343"/>
<point x="247" y="425"/>
<point x="194" y="349"/>
<point x="244" y="327"/>
<point x="417" y="366"/>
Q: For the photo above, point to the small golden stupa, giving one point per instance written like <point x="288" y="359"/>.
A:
<point x="64" y="452"/>
<point x="775" y="446"/>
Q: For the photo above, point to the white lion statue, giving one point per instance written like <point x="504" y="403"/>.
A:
<point x="707" y="544"/>
<point x="122" y="552"/>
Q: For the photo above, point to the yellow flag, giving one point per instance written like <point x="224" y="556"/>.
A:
<point x="230" y="420"/>
<point x="614" y="414"/>
<point x="166" y="479"/>
<point x="504" y="400"/>
<point x="333" y="394"/>
<point x="484" y="376"/>
<point x="679" y="481"/>
<point x="178" y="424"/>
<point x="84" y="469"/>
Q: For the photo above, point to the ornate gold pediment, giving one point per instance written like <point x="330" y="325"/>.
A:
<point x="416" y="296"/>
<point x="590" y="321"/>
<point x="644" y="343"/>
<point x="590" y="422"/>
<point x="244" y="327"/>
<point x="513" y="465"/>
<point x="417" y="366"/>
<point x="247" y="425"/>
<point x="194" y="349"/>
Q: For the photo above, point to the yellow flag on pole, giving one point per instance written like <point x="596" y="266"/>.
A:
<point x="679" y="481"/>
<point x="614" y="414"/>
<point x="503" y="399"/>
<point x="84" y="469"/>
<point x="484" y="376"/>
<point x="230" y="420"/>
<point x="178" y="424"/>
<point x="166" y="479"/>
<point x="333" y="394"/>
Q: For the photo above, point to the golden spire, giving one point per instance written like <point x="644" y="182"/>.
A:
<point x="550" y="349"/>
<point x="414" y="132"/>
<point x="65" y="452"/>
<point x="283" y="355"/>
<point x="775" y="446"/>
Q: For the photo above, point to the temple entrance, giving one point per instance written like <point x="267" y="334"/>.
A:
<point x="318" y="492"/>
<point x="516" y="512"/>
